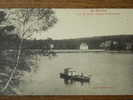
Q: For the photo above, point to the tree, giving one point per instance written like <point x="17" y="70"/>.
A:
<point x="28" y="21"/>
<point x="4" y="29"/>
<point x="2" y="16"/>
<point x="5" y="61"/>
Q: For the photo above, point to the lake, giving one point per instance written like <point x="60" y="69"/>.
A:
<point x="112" y="73"/>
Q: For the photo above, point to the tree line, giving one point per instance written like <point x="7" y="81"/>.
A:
<point x="117" y="42"/>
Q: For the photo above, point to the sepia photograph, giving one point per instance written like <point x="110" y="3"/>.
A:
<point x="50" y="51"/>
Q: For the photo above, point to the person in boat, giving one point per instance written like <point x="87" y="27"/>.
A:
<point x="72" y="73"/>
<point x="66" y="71"/>
<point x="69" y="72"/>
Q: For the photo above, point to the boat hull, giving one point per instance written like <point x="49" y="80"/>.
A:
<point x="75" y="77"/>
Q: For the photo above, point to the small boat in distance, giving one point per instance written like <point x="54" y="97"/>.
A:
<point x="72" y="75"/>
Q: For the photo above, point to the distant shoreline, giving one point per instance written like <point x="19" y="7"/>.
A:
<point x="74" y="51"/>
<point x="86" y="51"/>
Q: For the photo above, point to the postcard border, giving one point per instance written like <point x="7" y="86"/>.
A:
<point x="67" y="4"/>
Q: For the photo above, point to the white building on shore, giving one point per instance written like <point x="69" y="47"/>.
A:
<point x="83" y="46"/>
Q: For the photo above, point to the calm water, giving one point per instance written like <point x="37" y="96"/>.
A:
<point x="112" y="73"/>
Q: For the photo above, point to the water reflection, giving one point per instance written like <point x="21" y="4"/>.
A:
<point x="52" y="56"/>
<point x="104" y="67"/>
<point x="67" y="82"/>
<point x="71" y="82"/>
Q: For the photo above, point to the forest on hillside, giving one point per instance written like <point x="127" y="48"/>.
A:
<point x="114" y="42"/>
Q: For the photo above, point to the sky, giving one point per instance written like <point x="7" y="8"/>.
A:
<point x="76" y="23"/>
